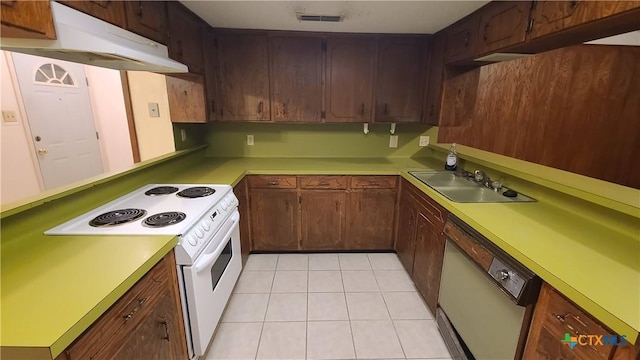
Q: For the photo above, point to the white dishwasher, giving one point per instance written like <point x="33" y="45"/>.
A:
<point x="486" y="300"/>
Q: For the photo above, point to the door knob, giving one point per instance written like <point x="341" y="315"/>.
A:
<point x="42" y="151"/>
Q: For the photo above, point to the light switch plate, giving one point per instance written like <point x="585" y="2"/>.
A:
<point x="424" y="141"/>
<point x="183" y="134"/>
<point x="393" y="141"/>
<point x="154" y="111"/>
<point x="250" y="140"/>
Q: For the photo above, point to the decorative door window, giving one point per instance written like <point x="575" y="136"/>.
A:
<point x="53" y="74"/>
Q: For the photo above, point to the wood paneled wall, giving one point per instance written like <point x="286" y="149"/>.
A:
<point x="575" y="109"/>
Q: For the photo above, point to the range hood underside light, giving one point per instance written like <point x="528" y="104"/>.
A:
<point x="319" y="18"/>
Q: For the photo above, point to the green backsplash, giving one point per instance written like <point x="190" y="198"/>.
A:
<point x="315" y="140"/>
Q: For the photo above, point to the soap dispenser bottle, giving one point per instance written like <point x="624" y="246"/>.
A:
<point x="452" y="159"/>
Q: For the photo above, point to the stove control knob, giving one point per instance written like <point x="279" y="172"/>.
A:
<point x="206" y="225"/>
<point x="224" y="205"/>
<point x="199" y="233"/>
<point x="192" y="240"/>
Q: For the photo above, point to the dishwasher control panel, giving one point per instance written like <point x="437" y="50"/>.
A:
<point x="510" y="280"/>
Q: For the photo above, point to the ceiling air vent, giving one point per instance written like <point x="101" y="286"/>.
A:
<point x="323" y="18"/>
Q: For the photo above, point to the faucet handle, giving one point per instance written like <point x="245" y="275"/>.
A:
<point x="480" y="176"/>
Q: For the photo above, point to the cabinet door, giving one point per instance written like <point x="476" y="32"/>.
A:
<point x="554" y="317"/>
<point x="296" y="78"/>
<point x="27" y="19"/>
<point x="350" y="75"/>
<point x="502" y="24"/>
<point x="427" y="265"/>
<point x="110" y="11"/>
<point x="186" y="32"/>
<point x="400" y="79"/>
<point x="552" y="16"/>
<point x="211" y="75"/>
<point x="370" y="219"/>
<point x="186" y="98"/>
<point x="435" y="81"/>
<point x="274" y="219"/>
<point x="405" y="239"/>
<point x="240" y="190"/>
<point x="158" y="337"/>
<point x="148" y="19"/>
<point x="244" y="77"/>
<point x="322" y="215"/>
<point x="461" y="37"/>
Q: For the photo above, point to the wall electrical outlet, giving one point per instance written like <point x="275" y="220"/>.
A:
<point x="183" y="134"/>
<point x="154" y="111"/>
<point x="393" y="141"/>
<point x="424" y="141"/>
<point x="250" y="140"/>
<point x="9" y="116"/>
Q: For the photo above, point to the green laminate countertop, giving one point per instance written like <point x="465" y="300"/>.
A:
<point x="53" y="288"/>
<point x="594" y="265"/>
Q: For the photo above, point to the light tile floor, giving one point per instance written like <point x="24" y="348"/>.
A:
<point x="326" y="306"/>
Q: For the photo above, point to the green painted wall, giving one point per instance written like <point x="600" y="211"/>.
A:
<point x="315" y="140"/>
<point x="195" y="135"/>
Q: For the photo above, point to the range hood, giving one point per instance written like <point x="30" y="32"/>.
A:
<point x="84" y="39"/>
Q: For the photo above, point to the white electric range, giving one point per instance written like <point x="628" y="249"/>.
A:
<point x="205" y="218"/>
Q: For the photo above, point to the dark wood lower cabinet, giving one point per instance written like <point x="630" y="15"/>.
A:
<point x="370" y="219"/>
<point x="328" y="212"/>
<point x="427" y="263"/>
<point x="145" y="323"/>
<point x="555" y="316"/>
<point x="419" y="241"/>
<point x="322" y="219"/>
<point x="274" y="219"/>
<point x="240" y="190"/>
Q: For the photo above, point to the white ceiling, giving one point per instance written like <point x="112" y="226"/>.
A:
<point x="416" y="17"/>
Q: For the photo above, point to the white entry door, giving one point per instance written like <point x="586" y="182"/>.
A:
<point x="56" y="100"/>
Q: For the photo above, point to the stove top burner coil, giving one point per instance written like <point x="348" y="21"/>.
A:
<point x="117" y="217"/>
<point x="161" y="190"/>
<point x="164" y="219"/>
<point x="196" y="192"/>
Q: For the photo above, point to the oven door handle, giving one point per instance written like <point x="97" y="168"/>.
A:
<point x="208" y="259"/>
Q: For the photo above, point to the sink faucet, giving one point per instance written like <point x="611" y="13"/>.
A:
<point x="481" y="177"/>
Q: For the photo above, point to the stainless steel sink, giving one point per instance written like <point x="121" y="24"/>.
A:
<point x="460" y="189"/>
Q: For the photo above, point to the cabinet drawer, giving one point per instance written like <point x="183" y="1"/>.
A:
<point x="564" y="317"/>
<point x="323" y="182"/>
<point x="272" y="182"/>
<point x="114" y="326"/>
<point x="373" y="182"/>
<point x="471" y="247"/>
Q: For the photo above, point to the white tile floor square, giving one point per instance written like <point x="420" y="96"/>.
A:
<point x="326" y="307"/>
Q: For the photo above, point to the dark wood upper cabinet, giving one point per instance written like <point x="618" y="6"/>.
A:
<point x="148" y="19"/>
<point x="350" y="77"/>
<point x="549" y="17"/>
<point x="27" y="19"/>
<point x="211" y="76"/>
<point x="186" y="98"/>
<point x="186" y="33"/>
<point x="502" y="24"/>
<point x="296" y="78"/>
<point x="435" y="75"/>
<point x="110" y="11"/>
<point x="243" y="61"/>
<point x="461" y="39"/>
<point x="400" y="79"/>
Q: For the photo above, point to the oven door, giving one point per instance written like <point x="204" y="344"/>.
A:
<point x="210" y="280"/>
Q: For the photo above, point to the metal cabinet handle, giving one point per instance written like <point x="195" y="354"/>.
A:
<point x="213" y="106"/>
<point x="323" y="183"/>
<point x="139" y="11"/>
<point x="166" y="330"/>
<point x="260" y="104"/>
<point x="486" y="29"/>
<point x="135" y="310"/>
<point x="42" y="151"/>
<point x="273" y="183"/>
<point x="374" y="183"/>
<point x="386" y="108"/>
<point x="284" y="109"/>
<point x="362" y="109"/>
